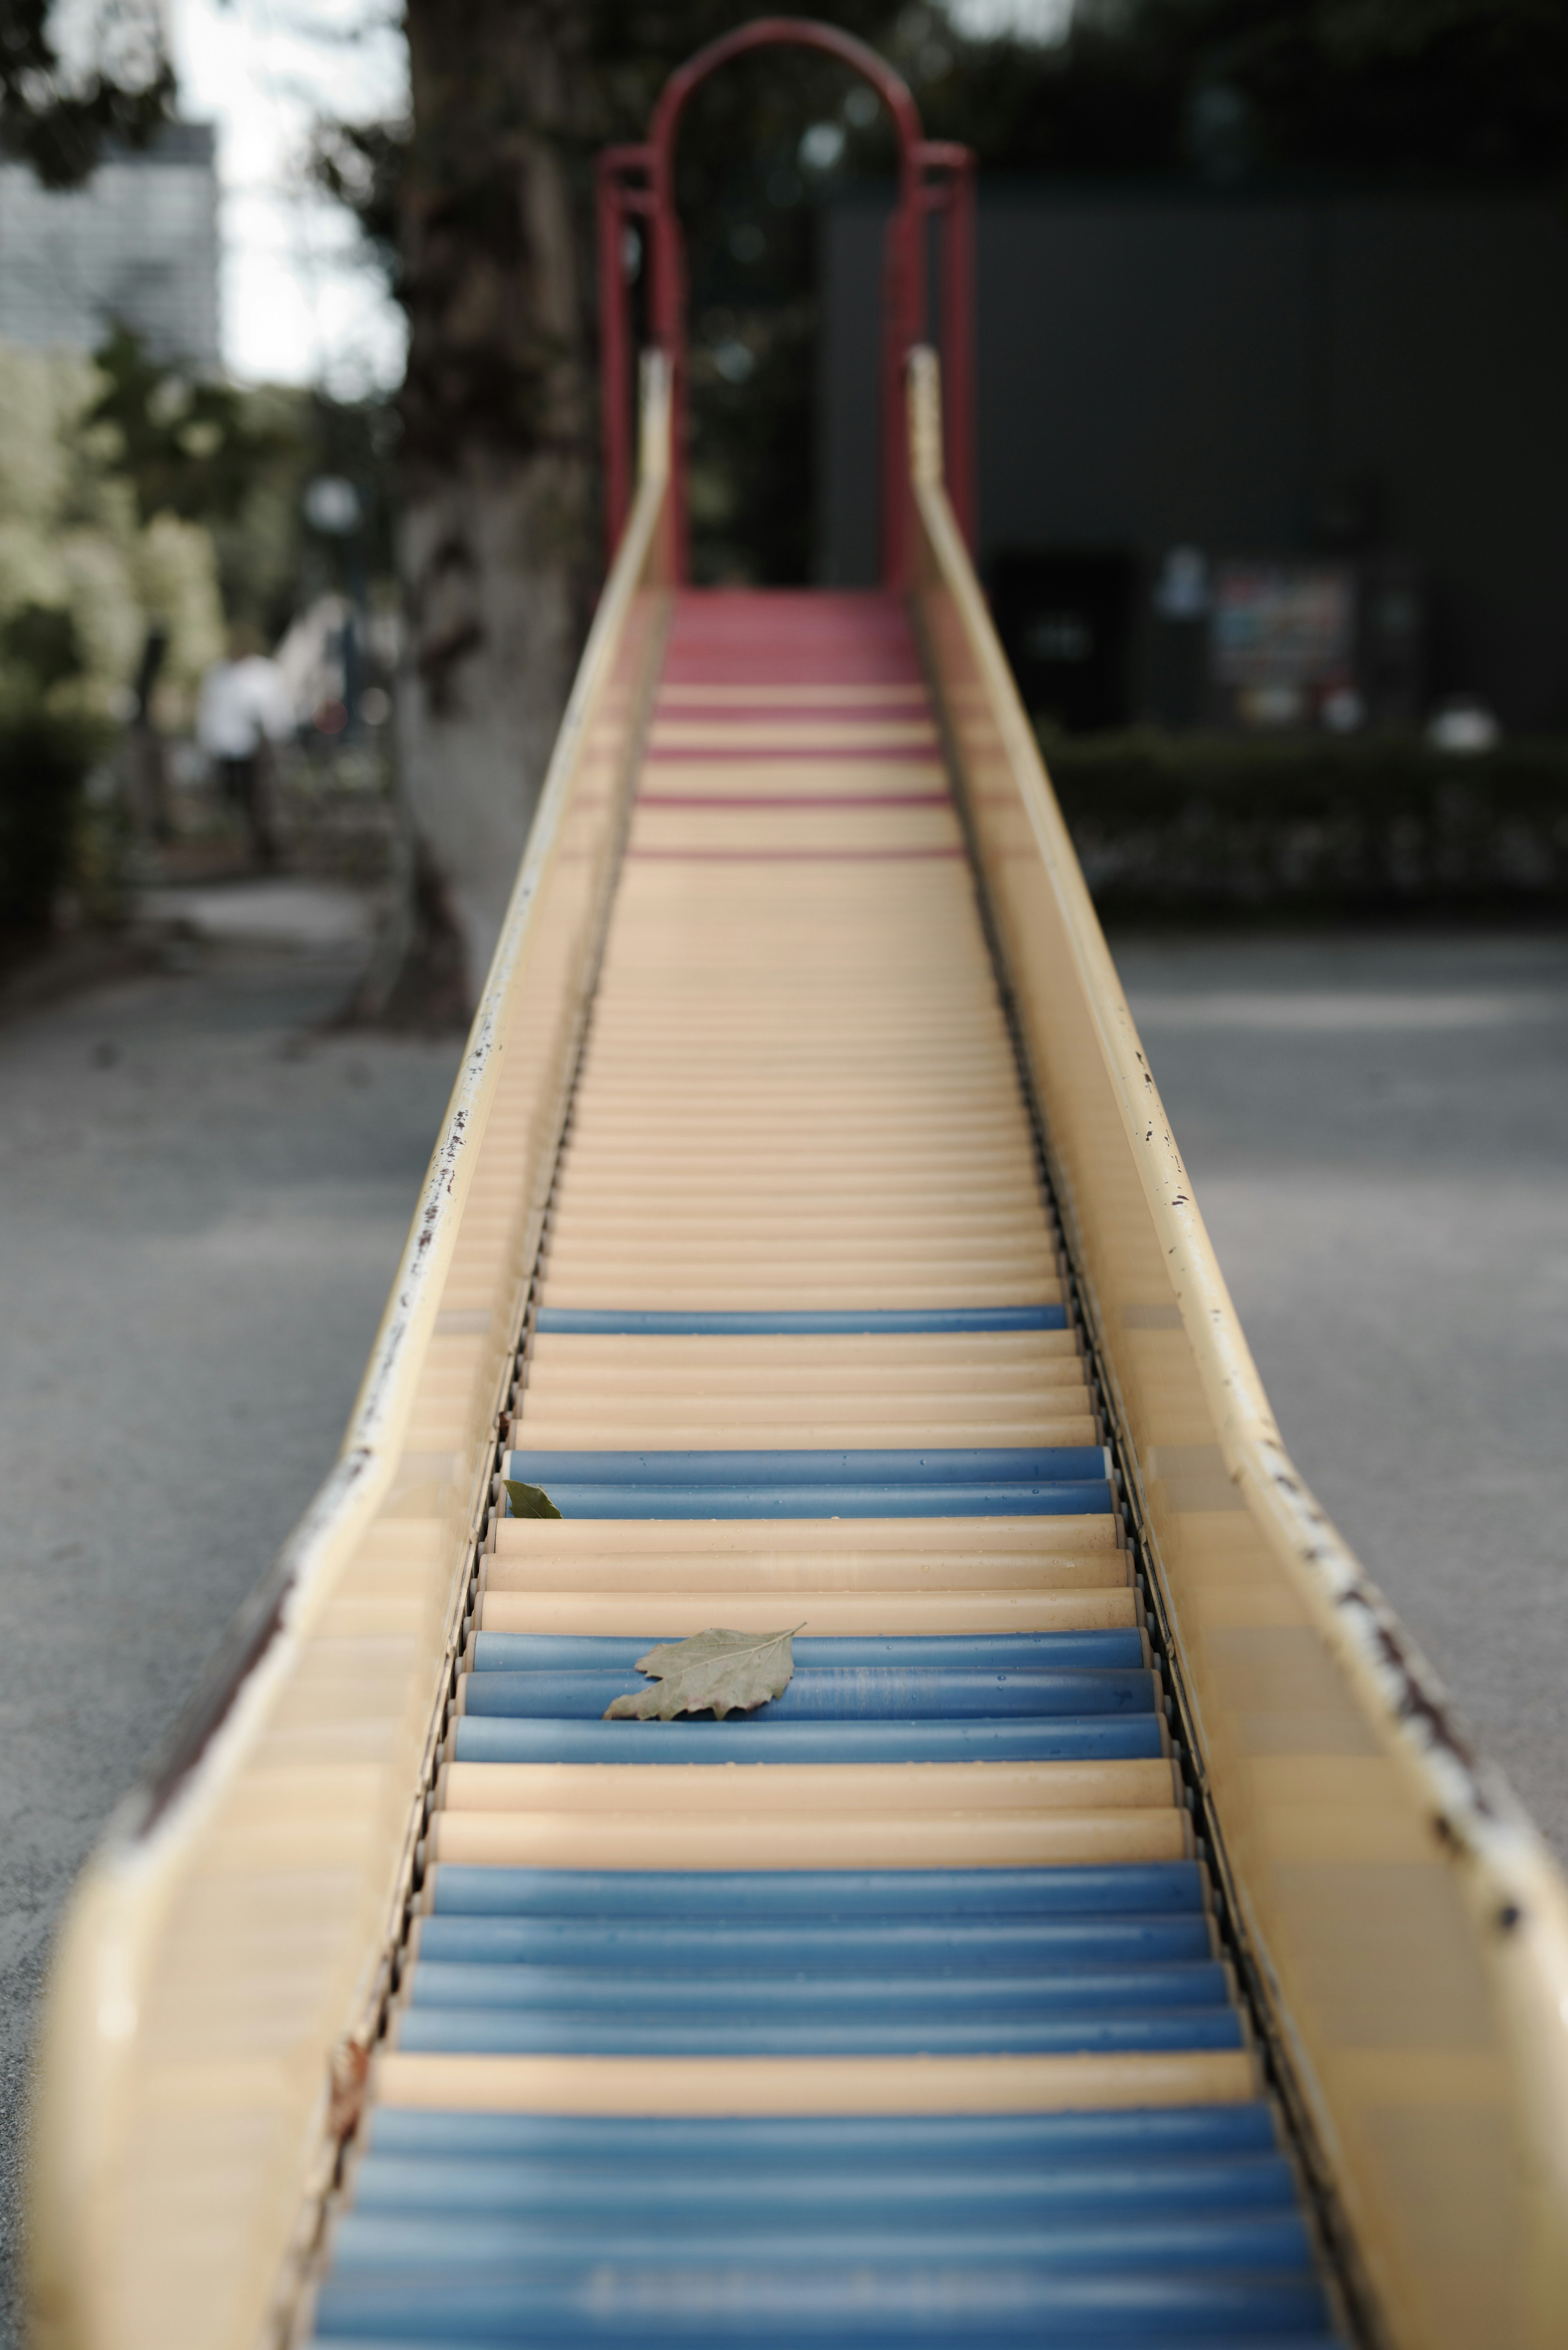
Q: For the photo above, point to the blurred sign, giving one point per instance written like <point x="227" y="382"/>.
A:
<point x="1283" y="643"/>
<point x="1181" y="591"/>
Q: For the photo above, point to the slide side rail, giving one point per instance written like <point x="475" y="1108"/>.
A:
<point x="219" y="1977"/>
<point x="1406" y="1929"/>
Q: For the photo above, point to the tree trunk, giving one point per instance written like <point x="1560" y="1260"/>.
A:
<point x="498" y="530"/>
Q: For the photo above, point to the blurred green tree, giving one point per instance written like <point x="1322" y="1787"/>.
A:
<point x="84" y="571"/>
<point x="237" y="460"/>
<point x="58" y="113"/>
<point x="1462" y="92"/>
<point x="86" y="578"/>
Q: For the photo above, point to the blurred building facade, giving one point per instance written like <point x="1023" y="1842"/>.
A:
<point x="1206" y="419"/>
<point x="137" y="246"/>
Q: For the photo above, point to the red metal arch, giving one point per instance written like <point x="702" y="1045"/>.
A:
<point x="638" y="184"/>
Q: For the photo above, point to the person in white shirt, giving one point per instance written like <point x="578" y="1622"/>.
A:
<point x="243" y="710"/>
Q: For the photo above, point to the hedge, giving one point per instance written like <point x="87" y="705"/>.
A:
<point x="1217" y="826"/>
<point x="43" y="764"/>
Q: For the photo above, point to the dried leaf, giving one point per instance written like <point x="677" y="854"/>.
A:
<point x="529" y="1501"/>
<point x="721" y="1672"/>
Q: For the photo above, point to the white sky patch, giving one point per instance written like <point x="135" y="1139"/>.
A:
<point x="1029" y="20"/>
<point x="300" y="303"/>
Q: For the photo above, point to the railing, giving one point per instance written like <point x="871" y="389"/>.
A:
<point x="221" y="1975"/>
<point x="1406" y="1929"/>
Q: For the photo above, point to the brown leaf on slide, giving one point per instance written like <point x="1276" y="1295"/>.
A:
<point x="717" y="1672"/>
<point x="529" y="1501"/>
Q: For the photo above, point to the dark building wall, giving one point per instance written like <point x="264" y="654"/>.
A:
<point x="1161" y="369"/>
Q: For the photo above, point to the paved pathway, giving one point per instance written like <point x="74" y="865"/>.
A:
<point x="202" y="1204"/>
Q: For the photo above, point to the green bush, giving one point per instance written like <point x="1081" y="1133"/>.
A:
<point x="1205" y="827"/>
<point x="43" y="764"/>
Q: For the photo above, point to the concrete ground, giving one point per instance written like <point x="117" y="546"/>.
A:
<point x="1378" y="1134"/>
<point x="202" y="1199"/>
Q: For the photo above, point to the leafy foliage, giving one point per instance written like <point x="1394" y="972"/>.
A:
<point x="60" y="122"/>
<point x="41" y="639"/>
<point x="1461" y="91"/>
<point x="529" y="1501"/>
<point x="189" y="445"/>
<point x="237" y="461"/>
<point x="714" y="1672"/>
<point x="84" y="582"/>
<point x="362" y="164"/>
<point x="83" y="575"/>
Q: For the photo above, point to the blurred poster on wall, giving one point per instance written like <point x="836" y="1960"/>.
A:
<point x="1283" y="645"/>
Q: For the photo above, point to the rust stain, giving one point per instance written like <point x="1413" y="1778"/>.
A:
<point x="349" y="2077"/>
<point x="1416" y="1704"/>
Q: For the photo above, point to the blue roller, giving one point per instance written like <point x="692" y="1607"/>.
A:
<point x="766" y="1501"/>
<point x="615" y="1322"/>
<point x="1157" y="2335"/>
<point x="939" y="1465"/>
<point x="952" y="2304"/>
<point x="536" y="1652"/>
<point x="834" y="1693"/>
<point x="1135" y="1888"/>
<point x="839" y="1999"/>
<point x="1063" y="1739"/>
<point x="407" y="2241"/>
<point x="498" y="2031"/>
<point x="773" y="2197"/>
<point x="886" y="1950"/>
<point x="740" y="2145"/>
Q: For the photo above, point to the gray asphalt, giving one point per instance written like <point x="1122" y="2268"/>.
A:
<point x="1378" y="1134"/>
<point x="201" y="1202"/>
<point x="201" y="1206"/>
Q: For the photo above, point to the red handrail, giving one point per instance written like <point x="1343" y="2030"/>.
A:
<point x="638" y="184"/>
